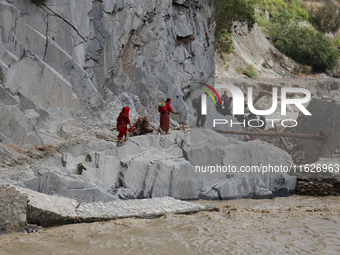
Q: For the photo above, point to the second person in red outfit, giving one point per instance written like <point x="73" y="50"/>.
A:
<point x="165" y="116"/>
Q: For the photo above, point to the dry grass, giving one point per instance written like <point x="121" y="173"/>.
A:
<point x="38" y="152"/>
<point x="15" y="148"/>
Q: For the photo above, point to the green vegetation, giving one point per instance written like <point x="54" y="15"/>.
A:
<point x="326" y="18"/>
<point x="282" y="10"/>
<point x="306" y="69"/>
<point x="336" y="41"/>
<point x="226" y="57"/>
<point x="228" y="11"/>
<point x="302" y="69"/>
<point x="250" y="71"/>
<point x="305" y="45"/>
<point x="224" y="40"/>
<point x="239" y="70"/>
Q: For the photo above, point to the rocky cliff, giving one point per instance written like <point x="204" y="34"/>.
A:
<point x="176" y="165"/>
<point x="252" y="48"/>
<point x="66" y="70"/>
<point x="325" y="117"/>
<point x="72" y="58"/>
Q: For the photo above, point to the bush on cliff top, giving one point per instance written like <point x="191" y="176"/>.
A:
<point x="292" y="9"/>
<point x="250" y="71"/>
<point x="306" y="46"/>
<point x="325" y="18"/>
<point x="228" y="11"/>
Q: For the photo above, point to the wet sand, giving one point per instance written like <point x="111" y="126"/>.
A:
<point x="293" y="225"/>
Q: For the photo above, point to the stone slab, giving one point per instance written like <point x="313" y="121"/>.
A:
<point x="48" y="210"/>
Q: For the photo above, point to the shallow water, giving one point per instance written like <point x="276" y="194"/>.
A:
<point x="293" y="225"/>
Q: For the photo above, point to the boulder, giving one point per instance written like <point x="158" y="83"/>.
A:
<point x="324" y="117"/>
<point x="172" y="165"/>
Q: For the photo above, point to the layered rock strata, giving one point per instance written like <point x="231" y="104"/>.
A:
<point x="70" y="56"/>
<point x="156" y="165"/>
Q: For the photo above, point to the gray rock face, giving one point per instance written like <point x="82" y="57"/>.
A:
<point x="335" y="72"/>
<point x="66" y="70"/>
<point x="175" y="165"/>
<point x="122" y="45"/>
<point x="325" y="116"/>
<point x="24" y="206"/>
<point x="265" y="58"/>
<point x="210" y="149"/>
<point x="169" y="168"/>
<point x="64" y="61"/>
<point x="50" y="177"/>
<point x="155" y="166"/>
<point x="13" y="209"/>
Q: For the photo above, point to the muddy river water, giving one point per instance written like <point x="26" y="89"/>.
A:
<point x="293" y="225"/>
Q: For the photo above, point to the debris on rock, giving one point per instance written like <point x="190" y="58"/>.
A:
<point x="141" y="126"/>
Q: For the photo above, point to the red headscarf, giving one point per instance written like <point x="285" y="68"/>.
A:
<point x="126" y="111"/>
<point x="168" y="106"/>
<point x="123" y="119"/>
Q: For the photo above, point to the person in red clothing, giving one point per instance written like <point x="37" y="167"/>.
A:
<point x="165" y="116"/>
<point x="122" y="121"/>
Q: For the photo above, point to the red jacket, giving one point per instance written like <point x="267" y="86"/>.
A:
<point x="168" y="108"/>
<point x="123" y="119"/>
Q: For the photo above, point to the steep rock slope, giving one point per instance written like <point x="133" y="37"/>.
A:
<point x="252" y="48"/>
<point x="67" y="68"/>
<point x="66" y="54"/>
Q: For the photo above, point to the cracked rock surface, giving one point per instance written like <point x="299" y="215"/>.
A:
<point x="71" y="53"/>
<point x="157" y="166"/>
<point x="66" y="70"/>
